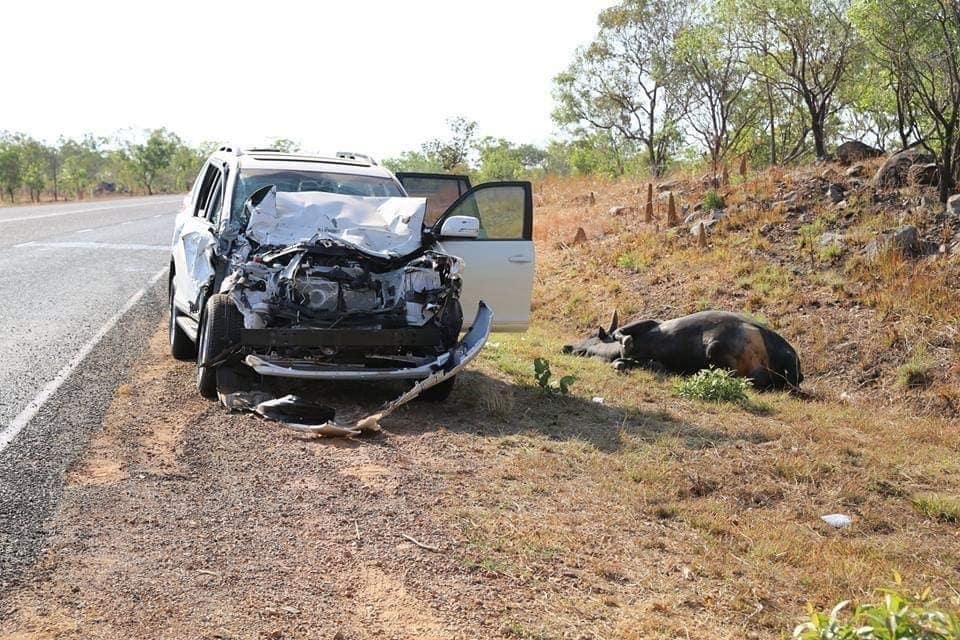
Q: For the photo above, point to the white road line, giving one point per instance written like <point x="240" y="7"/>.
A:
<point x="91" y="209"/>
<point x="93" y="245"/>
<point x="85" y="231"/>
<point x="24" y="417"/>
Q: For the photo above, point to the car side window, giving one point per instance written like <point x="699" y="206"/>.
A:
<point x="215" y="203"/>
<point x="203" y="196"/>
<point x="502" y="211"/>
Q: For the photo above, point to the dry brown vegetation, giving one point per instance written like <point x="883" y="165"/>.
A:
<point x="641" y="516"/>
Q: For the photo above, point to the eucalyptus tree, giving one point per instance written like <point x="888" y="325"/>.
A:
<point x="623" y="83"/>
<point x="918" y="42"/>
<point x="804" y="47"/>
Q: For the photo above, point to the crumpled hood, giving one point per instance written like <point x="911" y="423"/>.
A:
<point x="385" y="227"/>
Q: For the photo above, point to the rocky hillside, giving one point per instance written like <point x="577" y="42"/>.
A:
<point x="857" y="266"/>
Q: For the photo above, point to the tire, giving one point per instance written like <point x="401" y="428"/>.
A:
<point x="181" y="346"/>
<point x="438" y="392"/>
<point x="219" y="329"/>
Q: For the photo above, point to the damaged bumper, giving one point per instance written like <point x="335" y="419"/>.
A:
<point x="419" y="369"/>
<point x="287" y="410"/>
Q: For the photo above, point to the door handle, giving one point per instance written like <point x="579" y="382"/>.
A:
<point x="520" y="259"/>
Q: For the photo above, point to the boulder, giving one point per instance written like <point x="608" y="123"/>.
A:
<point x="894" y="172"/>
<point x="670" y="185"/>
<point x="924" y="174"/>
<point x="854" y="150"/>
<point x="905" y="240"/>
<point x="619" y="211"/>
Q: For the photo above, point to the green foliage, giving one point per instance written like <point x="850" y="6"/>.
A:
<point x="714" y="385"/>
<point x="713" y="200"/>
<point x="915" y="372"/>
<point x="452" y="153"/>
<point x="542" y="375"/>
<point x="898" y="616"/>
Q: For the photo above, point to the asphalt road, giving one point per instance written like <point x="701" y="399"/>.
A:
<point x="81" y="290"/>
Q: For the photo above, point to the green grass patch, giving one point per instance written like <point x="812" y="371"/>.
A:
<point x="938" y="506"/>
<point x="714" y="385"/>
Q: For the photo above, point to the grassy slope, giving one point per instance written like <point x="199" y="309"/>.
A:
<point x="650" y="516"/>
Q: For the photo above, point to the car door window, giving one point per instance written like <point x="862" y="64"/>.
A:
<point x="505" y="210"/>
<point x="440" y="190"/>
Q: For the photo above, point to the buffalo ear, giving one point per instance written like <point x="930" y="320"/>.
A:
<point x="614" y="322"/>
<point x="601" y="333"/>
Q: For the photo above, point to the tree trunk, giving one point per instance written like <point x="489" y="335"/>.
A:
<point x="818" y="138"/>
<point x="773" y="127"/>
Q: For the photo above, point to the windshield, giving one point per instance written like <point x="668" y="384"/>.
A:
<point x="249" y="180"/>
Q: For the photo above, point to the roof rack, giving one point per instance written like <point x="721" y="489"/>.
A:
<point x="352" y="155"/>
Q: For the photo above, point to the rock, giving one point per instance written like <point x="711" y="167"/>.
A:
<point x="836" y="192"/>
<point x="837" y="520"/>
<point x="924" y="174"/>
<point x="702" y="225"/>
<point x="668" y="186"/>
<point x="854" y="150"/>
<point x="905" y="240"/>
<point x="829" y="238"/>
<point x="619" y="211"/>
<point x="953" y="205"/>
<point x="895" y="170"/>
<point x="856" y="171"/>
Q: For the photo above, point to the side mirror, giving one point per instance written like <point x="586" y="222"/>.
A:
<point x="460" y="227"/>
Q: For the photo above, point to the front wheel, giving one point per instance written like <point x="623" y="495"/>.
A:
<point x="219" y="330"/>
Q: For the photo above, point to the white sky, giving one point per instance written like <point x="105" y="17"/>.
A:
<point x="365" y="75"/>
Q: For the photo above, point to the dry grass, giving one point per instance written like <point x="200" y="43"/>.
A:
<point x="652" y="516"/>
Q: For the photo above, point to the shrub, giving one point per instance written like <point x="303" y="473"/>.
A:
<point x="714" y="385"/>
<point x="713" y="200"/>
<point x="898" y="616"/>
<point x="542" y="374"/>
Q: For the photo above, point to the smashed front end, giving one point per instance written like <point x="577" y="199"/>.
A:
<point x="336" y="287"/>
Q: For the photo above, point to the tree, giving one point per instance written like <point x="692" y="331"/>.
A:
<point x="805" y="47"/>
<point x="711" y="64"/>
<point x="621" y="83"/>
<point x="10" y="176"/>
<point x="150" y="159"/>
<point x="285" y="144"/>
<point x="502" y="160"/>
<point x="918" y="42"/>
<point x="82" y="162"/>
<point x="33" y="166"/>
<point x="453" y="152"/>
<point x="413" y="161"/>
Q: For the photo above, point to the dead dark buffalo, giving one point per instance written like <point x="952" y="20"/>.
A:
<point x="698" y="341"/>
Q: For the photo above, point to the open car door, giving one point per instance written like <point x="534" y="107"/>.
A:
<point x="499" y="261"/>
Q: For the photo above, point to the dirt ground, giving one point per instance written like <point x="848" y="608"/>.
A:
<point x="186" y="522"/>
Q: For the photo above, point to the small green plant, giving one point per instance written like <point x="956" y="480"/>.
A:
<point x="714" y="385"/>
<point x="713" y="200"/>
<point x="898" y="616"/>
<point x="542" y="374"/>
<point x="937" y="506"/>
<point x="915" y="372"/>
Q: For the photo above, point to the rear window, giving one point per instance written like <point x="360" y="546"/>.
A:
<point x="249" y="180"/>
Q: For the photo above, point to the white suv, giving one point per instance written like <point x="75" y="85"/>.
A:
<point x="335" y="268"/>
